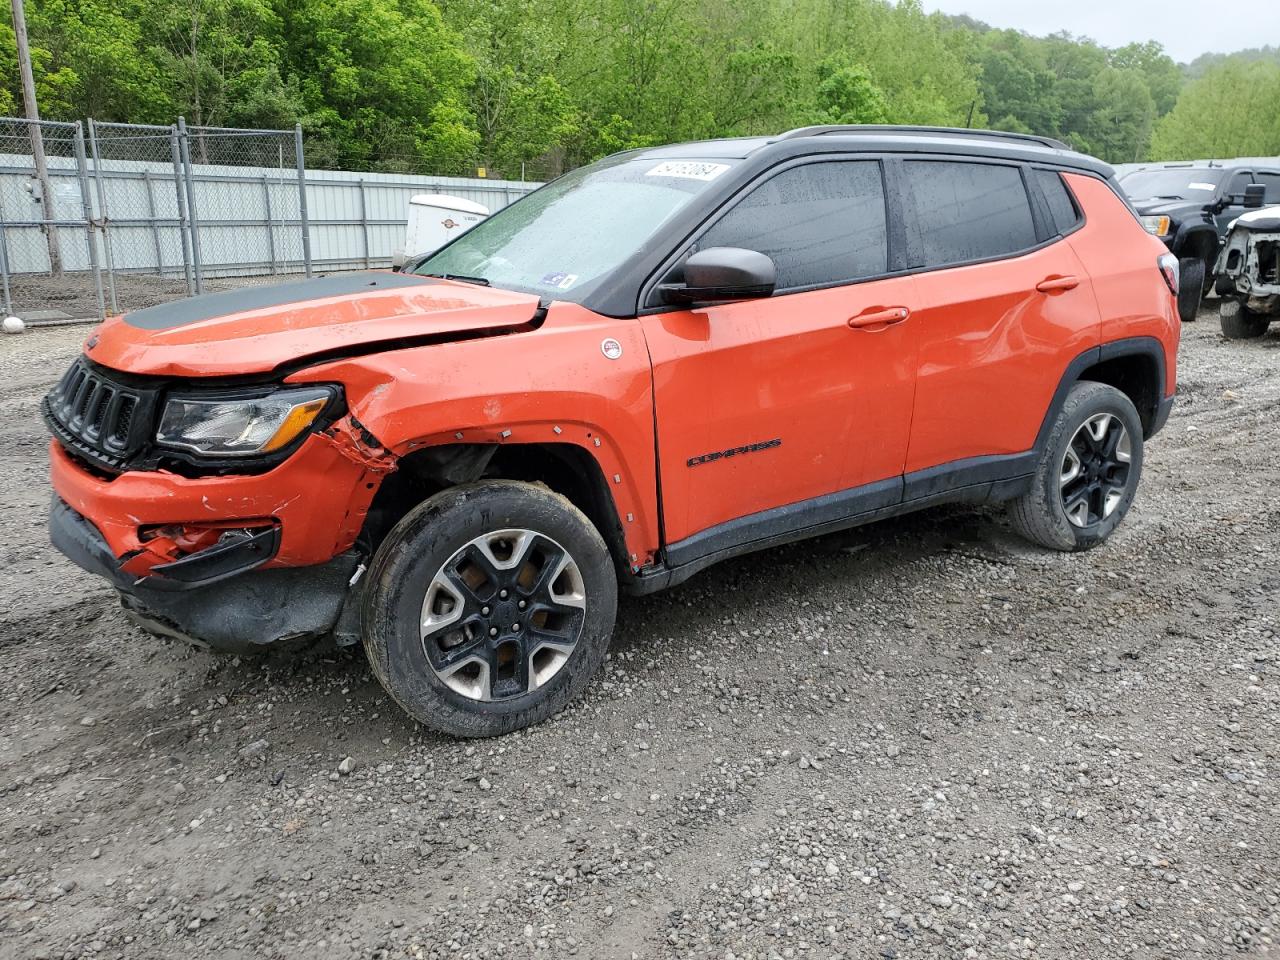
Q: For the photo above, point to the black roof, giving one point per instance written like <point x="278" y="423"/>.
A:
<point x="887" y="139"/>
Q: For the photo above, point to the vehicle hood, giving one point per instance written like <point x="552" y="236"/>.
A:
<point x="1167" y="208"/>
<point x="257" y="329"/>
<point x="1263" y="220"/>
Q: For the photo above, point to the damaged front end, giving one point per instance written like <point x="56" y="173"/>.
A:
<point x="232" y="552"/>
<point x="1248" y="267"/>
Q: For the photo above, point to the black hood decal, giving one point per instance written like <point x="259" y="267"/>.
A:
<point x="179" y="313"/>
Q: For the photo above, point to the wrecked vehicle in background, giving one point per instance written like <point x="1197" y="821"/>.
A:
<point x="1189" y="206"/>
<point x="1248" y="272"/>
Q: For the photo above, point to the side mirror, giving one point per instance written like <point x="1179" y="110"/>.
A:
<point x="721" y="274"/>
<point x="1254" y="194"/>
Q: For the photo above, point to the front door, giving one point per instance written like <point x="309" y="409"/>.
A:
<point x="771" y="403"/>
<point x="1232" y="199"/>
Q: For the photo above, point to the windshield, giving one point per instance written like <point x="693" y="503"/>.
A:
<point x="560" y="240"/>
<point x="1196" y="183"/>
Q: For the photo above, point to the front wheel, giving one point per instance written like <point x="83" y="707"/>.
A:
<point x="1087" y="474"/>
<point x="489" y="607"/>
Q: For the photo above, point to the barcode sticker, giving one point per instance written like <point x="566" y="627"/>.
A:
<point x="688" y="169"/>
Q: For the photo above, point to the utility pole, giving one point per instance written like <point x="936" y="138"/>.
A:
<point x="37" y="139"/>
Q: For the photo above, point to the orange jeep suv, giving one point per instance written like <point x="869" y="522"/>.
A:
<point x="666" y="358"/>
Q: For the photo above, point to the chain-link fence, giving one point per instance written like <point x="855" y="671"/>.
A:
<point x="134" y="215"/>
<point x="141" y="212"/>
<point x="138" y="215"/>
<point x="188" y="209"/>
<point x="48" y="257"/>
<point x="246" y="197"/>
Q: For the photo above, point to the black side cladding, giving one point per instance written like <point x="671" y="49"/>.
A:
<point x="179" y="313"/>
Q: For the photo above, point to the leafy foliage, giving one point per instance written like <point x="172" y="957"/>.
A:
<point x="536" y="86"/>
<point x="1229" y="111"/>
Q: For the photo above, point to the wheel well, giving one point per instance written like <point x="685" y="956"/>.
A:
<point x="1203" y="245"/>
<point x="562" y="467"/>
<point x="1137" y="376"/>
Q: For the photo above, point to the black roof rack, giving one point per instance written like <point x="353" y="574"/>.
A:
<point x="838" y="128"/>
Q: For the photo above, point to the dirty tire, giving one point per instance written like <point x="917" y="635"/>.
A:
<point x="411" y="561"/>
<point x="1239" y="322"/>
<point x="1190" y="288"/>
<point x="1040" y="514"/>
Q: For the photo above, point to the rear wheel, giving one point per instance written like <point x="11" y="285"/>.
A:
<point x="1087" y="474"/>
<point x="490" y="606"/>
<point x="1190" y="288"/>
<point x="1239" y="322"/>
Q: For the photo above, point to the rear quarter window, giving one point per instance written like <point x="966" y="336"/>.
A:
<point x="969" y="211"/>
<point x="1062" y="208"/>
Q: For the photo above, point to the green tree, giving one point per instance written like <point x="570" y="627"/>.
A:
<point x="1228" y="112"/>
<point x="848" y="95"/>
<point x="382" y="82"/>
<point x="88" y="60"/>
<point x="1019" y="91"/>
<point x="1123" y="113"/>
<point x="1163" y="77"/>
<point x="522" y="111"/>
<point x="9" y="66"/>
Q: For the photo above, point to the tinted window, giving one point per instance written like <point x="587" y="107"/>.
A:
<point x="1236" y="186"/>
<point x="1061" y="207"/>
<point x="969" y="211"/>
<point x="1272" y="182"/>
<point x="821" y="223"/>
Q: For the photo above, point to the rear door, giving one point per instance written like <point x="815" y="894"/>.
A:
<point x="1004" y="306"/>
<point x="767" y="403"/>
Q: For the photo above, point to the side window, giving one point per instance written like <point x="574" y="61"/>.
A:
<point x="1235" y="189"/>
<point x="1272" y="182"/>
<point x="821" y="223"/>
<point x="1061" y="206"/>
<point x="969" y="211"/>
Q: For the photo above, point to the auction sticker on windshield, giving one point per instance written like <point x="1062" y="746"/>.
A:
<point x="688" y="169"/>
<point x="1201" y="186"/>
<point x="561" y="280"/>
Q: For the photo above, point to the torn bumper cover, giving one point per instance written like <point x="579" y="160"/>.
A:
<point x="1250" y="260"/>
<point x="222" y="601"/>
<point x="231" y="561"/>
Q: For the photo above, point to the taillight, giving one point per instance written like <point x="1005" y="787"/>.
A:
<point x="1168" y="264"/>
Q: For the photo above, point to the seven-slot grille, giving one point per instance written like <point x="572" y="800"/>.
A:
<point x="98" y="417"/>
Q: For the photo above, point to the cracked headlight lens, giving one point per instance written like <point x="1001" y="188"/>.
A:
<point x="240" y="427"/>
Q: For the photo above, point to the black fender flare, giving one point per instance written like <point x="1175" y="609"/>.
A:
<point x="1190" y="234"/>
<point x="1147" y="347"/>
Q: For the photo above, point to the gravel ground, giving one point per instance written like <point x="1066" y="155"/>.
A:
<point x="922" y="738"/>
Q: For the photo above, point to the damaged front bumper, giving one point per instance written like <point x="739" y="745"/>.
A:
<point x="232" y="606"/>
<point x="234" y="562"/>
<point x="1250" y="261"/>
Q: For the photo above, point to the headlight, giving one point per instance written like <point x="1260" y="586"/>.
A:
<point x="1159" y="226"/>
<point x="240" y="427"/>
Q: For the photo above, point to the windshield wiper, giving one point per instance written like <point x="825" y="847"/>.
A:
<point x="1167" y="196"/>
<point x="478" y="281"/>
